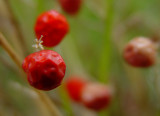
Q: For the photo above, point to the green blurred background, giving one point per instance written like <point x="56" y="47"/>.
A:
<point x="92" y="49"/>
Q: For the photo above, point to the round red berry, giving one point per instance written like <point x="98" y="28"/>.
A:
<point x="71" y="7"/>
<point x="53" y="26"/>
<point x="74" y="86"/>
<point x="96" y="96"/>
<point x="45" y="69"/>
<point x="140" y="52"/>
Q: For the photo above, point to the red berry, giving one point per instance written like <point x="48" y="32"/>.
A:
<point x="53" y="26"/>
<point x="45" y="69"/>
<point x="71" y="6"/>
<point x="74" y="86"/>
<point x="96" y="96"/>
<point x="140" y="52"/>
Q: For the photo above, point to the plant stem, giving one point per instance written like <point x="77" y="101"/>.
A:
<point x="105" y="57"/>
<point x="49" y="103"/>
<point x="16" y="25"/>
<point x="17" y="59"/>
<point x="72" y="57"/>
<point x="43" y="97"/>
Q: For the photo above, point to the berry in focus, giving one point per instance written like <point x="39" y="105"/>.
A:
<point x="45" y="69"/>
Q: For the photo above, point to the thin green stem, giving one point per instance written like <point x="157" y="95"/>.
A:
<point x="105" y="57"/>
<point x="72" y="57"/>
<point x="106" y="52"/>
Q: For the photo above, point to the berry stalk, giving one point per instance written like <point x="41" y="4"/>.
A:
<point x="43" y="97"/>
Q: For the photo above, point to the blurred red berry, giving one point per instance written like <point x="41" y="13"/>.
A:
<point x="96" y="96"/>
<point x="140" y="52"/>
<point x="45" y="69"/>
<point x="71" y="7"/>
<point x="74" y="86"/>
<point x="53" y="26"/>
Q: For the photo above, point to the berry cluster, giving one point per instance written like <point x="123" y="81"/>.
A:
<point x="45" y="69"/>
<point x="94" y="96"/>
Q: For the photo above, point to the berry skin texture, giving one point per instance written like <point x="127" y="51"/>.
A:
<point x="140" y="52"/>
<point x="96" y="96"/>
<point x="45" y="69"/>
<point x="74" y="86"/>
<point x="53" y="26"/>
<point x="71" y="7"/>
